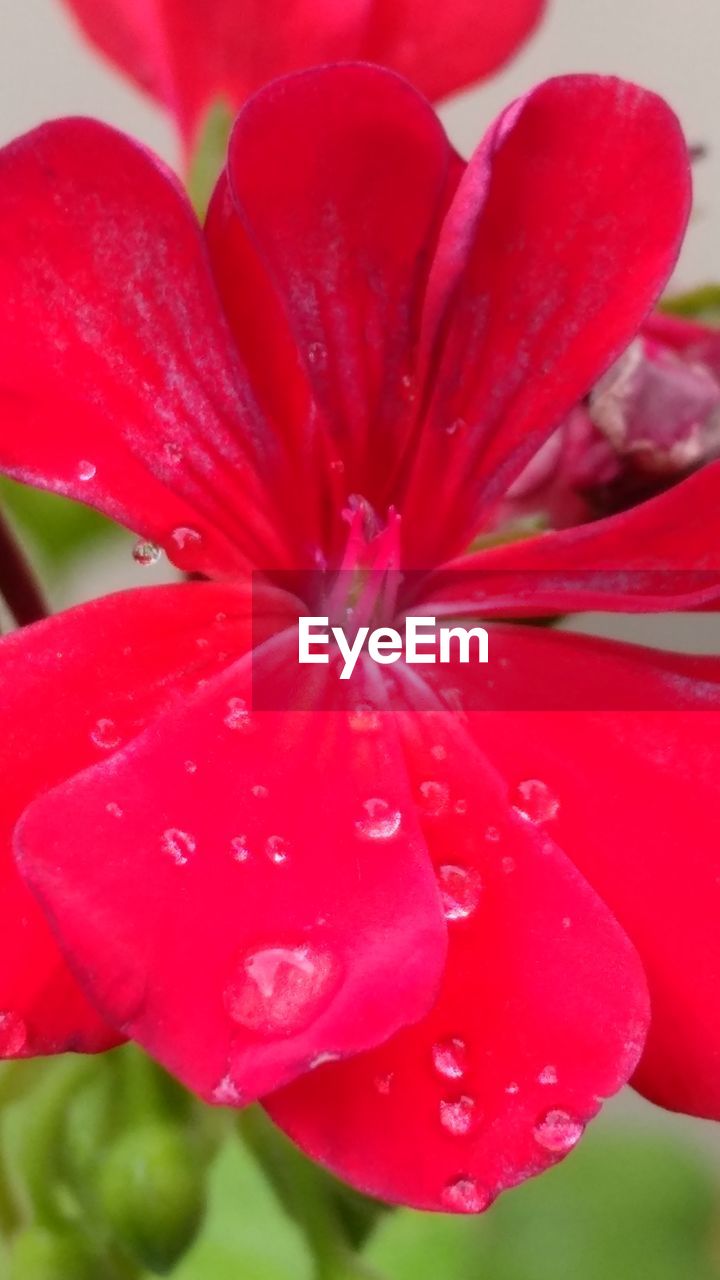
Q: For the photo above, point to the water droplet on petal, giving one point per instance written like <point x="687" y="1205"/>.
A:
<point x="146" y="553"/>
<point x="438" y="752"/>
<point x="463" y="1195"/>
<point x="240" y="848"/>
<point x="450" y="1058"/>
<point x="458" y="1116"/>
<point x="86" y="470"/>
<point x="535" y="801"/>
<point x="435" y="796"/>
<point x="190" y="766"/>
<point x="457" y="425"/>
<point x="379" y="822"/>
<point x="337" y="466"/>
<point x="260" y="792"/>
<point x="364" y="718"/>
<point x="185" y="538"/>
<point x="227" y="1093"/>
<point x="105" y="734"/>
<point x="508" y="865"/>
<point x="13" y="1035"/>
<point x="114" y="809"/>
<point x="558" y="1131"/>
<point x="277" y="849"/>
<point x="460" y="891"/>
<point x="178" y="845"/>
<point x="237" y="715"/>
<point x="173" y="452"/>
<point x="461" y="806"/>
<point x="280" y="990"/>
<point x="492" y="835"/>
<point x="548" y="1075"/>
<point x="512" y="1088"/>
<point x="322" y="1060"/>
<point x="383" y="1082"/>
<point x="566" y="922"/>
<point x="317" y="353"/>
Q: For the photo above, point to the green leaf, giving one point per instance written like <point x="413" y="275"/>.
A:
<point x="621" y="1208"/>
<point x="702" y="304"/>
<point x="247" y="1235"/>
<point x="56" y="528"/>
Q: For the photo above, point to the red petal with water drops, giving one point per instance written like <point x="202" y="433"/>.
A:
<point x="636" y="791"/>
<point x="541" y="1015"/>
<point x="553" y="252"/>
<point x="74" y="690"/>
<point x="119" y="382"/>
<point x="443" y="47"/>
<point x="346" y="232"/>
<point x="663" y="554"/>
<point x="276" y="907"/>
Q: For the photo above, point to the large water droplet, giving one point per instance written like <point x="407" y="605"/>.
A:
<point x="178" y="845"/>
<point x="146" y="553"/>
<point x="379" y="822"/>
<point x="237" y="715"/>
<point x="86" y="470"/>
<point x="435" y="797"/>
<point x="458" y="1116"/>
<point x="277" y="849"/>
<point x="185" y="538"/>
<point x="364" y="718"/>
<point x="460" y="891"/>
<point x="558" y="1131"/>
<point x="13" y="1035"/>
<point x="464" y="1195"/>
<point x="280" y="990"/>
<point x="105" y="734"/>
<point x="535" y="801"/>
<point x="450" y="1058"/>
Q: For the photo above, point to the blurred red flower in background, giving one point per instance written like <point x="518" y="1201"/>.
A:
<point x="191" y="55"/>
<point x="433" y="938"/>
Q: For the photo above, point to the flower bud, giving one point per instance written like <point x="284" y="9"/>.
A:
<point x="152" y="1194"/>
<point x="39" y="1253"/>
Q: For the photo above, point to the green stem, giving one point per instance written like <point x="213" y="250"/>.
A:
<point x="304" y="1191"/>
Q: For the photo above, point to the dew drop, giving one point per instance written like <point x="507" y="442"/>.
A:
<point x="280" y="990"/>
<point x="114" y="809"/>
<point x="227" y="1093"/>
<point x="461" y="806"/>
<point x="450" y="1058"/>
<point x="438" y="752"/>
<point x="277" y="849"/>
<point x="566" y="922"/>
<point x="383" y="1083"/>
<point x="240" y="848"/>
<point x="190" y="766"/>
<point x="178" y="845"/>
<point x="379" y="821"/>
<point x="184" y="538"/>
<point x="237" y="715"/>
<point x="435" y="796"/>
<point x="535" y="801"/>
<point x="337" y="466"/>
<point x="146" y="553"/>
<point x="548" y="1075"/>
<point x="456" y="426"/>
<point x="86" y="470"/>
<point x="463" y="1195"/>
<point x="260" y="792"/>
<point x="508" y="865"/>
<point x="322" y="1060"/>
<point x="460" y="891"/>
<point x="13" y="1035"/>
<point x="512" y="1088"/>
<point x="558" y="1131"/>
<point x="458" y="1116"/>
<point x="364" y="718"/>
<point x="492" y="835"/>
<point x="173" y="452"/>
<point x="105" y="734"/>
<point x="317" y="353"/>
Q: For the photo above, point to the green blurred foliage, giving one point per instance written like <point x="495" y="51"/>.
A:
<point x="702" y="304"/>
<point x="55" y="528"/>
<point x="208" y="160"/>
<point x="624" y="1206"/>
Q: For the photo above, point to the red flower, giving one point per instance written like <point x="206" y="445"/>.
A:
<point x="191" y="55"/>
<point x="467" y="909"/>
<point x="651" y="419"/>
